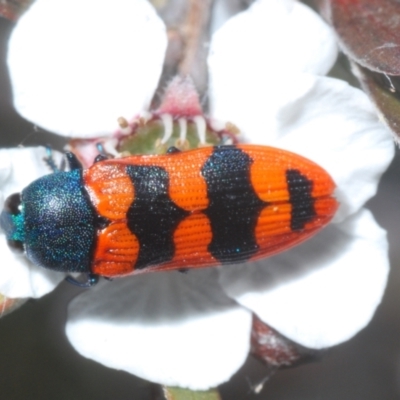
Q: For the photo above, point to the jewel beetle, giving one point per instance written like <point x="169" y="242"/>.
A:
<point x="199" y="208"/>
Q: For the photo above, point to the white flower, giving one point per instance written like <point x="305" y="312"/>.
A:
<point x="18" y="277"/>
<point x="267" y="68"/>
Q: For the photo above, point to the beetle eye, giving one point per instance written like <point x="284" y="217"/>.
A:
<point x="16" y="246"/>
<point x="13" y="203"/>
<point x="12" y="222"/>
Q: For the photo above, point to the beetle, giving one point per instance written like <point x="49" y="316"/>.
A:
<point x="200" y="208"/>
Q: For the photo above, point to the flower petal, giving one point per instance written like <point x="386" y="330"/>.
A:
<point x="322" y="292"/>
<point x="336" y="126"/>
<point x="174" y="329"/>
<point x="323" y="119"/>
<point x="272" y="36"/>
<point x="21" y="166"/>
<point x="76" y="66"/>
<point x="18" y="277"/>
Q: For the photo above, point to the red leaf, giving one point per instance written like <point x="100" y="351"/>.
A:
<point x="368" y="30"/>
<point x="12" y="9"/>
<point x="275" y="350"/>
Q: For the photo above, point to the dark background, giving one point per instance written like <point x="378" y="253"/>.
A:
<point x="37" y="362"/>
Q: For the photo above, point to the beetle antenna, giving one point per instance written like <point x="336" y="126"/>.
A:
<point x="49" y="159"/>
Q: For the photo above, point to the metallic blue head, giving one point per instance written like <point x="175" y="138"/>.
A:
<point x="53" y="221"/>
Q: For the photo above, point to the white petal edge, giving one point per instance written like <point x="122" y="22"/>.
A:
<point x="322" y="292"/>
<point x="321" y="118"/>
<point x="21" y="166"/>
<point x="336" y="126"/>
<point x="18" y="277"/>
<point x="272" y="36"/>
<point x="76" y="66"/>
<point x="170" y="328"/>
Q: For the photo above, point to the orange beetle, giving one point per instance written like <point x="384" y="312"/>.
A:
<point x="201" y="208"/>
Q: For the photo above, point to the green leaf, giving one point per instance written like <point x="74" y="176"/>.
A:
<point x="175" y="393"/>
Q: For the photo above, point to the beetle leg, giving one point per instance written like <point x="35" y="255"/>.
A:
<point x="100" y="157"/>
<point x="92" y="280"/>
<point x="173" y="150"/>
<point x="73" y="162"/>
<point x="103" y="155"/>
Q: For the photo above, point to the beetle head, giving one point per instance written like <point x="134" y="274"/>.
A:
<point x="53" y="222"/>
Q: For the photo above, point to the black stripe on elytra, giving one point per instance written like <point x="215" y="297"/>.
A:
<point x="234" y="206"/>
<point x="153" y="216"/>
<point x="300" y="195"/>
